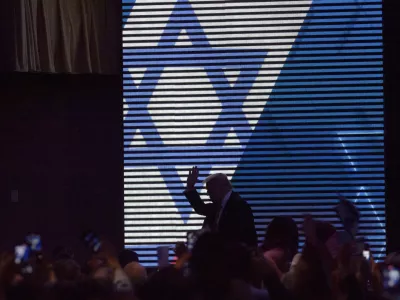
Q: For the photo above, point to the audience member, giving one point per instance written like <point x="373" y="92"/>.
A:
<point x="67" y="270"/>
<point x="61" y="252"/>
<point x="309" y="277"/>
<point x="129" y="261"/>
<point x="218" y="267"/>
<point x="281" y="242"/>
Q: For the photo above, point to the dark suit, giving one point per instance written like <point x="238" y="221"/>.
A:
<point x="236" y="221"/>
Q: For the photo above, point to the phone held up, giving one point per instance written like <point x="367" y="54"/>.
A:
<point x="23" y="252"/>
<point x="92" y="241"/>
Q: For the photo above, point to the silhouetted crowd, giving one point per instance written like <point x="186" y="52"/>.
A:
<point x="215" y="268"/>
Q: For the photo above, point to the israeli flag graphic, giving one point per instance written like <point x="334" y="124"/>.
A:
<point x="263" y="91"/>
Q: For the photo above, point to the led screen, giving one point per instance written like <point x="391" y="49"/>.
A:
<point x="285" y="97"/>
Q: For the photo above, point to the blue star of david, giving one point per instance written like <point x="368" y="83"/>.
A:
<point x="213" y="61"/>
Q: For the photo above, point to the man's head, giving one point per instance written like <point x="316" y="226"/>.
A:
<point x="217" y="185"/>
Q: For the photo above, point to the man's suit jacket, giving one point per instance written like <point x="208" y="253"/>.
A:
<point x="236" y="221"/>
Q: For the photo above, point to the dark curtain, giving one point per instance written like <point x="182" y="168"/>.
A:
<point x="61" y="36"/>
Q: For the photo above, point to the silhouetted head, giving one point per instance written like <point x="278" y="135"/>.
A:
<point x="209" y="259"/>
<point x="282" y="232"/>
<point x="62" y="253"/>
<point x="217" y="185"/>
<point x="67" y="270"/>
<point x="127" y="256"/>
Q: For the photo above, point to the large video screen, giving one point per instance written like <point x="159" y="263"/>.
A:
<point x="285" y="97"/>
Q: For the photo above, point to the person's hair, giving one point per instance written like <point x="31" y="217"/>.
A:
<point x="281" y="232"/>
<point x="136" y="272"/>
<point x="61" y="253"/>
<point x="127" y="256"/>
<point x="220" y="179"/>
<point x="309" y="276"/>
<point x="354" y="276"/>
<point x="67" y="270"/>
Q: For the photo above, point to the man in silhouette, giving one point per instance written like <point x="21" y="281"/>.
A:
<point x="227" y="213"/>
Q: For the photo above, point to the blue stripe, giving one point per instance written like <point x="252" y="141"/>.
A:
<point x="183" y="7"/>
<point x="311" y="150"/>
<point x="247" y="159"/>
<point x="349" y="146"/>
<point x="222" y="53"/>
<point x="290" y="172"/>
<point x="313" y="49"/>
<point x="249" y="62"/>
<point x="294" y="104"/>
<point x="272" y="108"/>
<point x="305" y="71"/>
<point x="288" y="114"/>
<point x="340" y="122"/>
<point x="181" y="15"/>
<point x="361" y="28"/>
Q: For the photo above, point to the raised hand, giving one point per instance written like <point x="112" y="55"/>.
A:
<point x="192" y="178"/>
<point x="309" y="229"/>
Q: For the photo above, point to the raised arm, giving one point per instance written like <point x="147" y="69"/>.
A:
<point x="193" y="196"/>
<point x="195" y="201"/>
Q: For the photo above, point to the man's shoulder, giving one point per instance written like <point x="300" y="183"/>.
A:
<point x="235" y="196"/>
<point x="237" y="200"/>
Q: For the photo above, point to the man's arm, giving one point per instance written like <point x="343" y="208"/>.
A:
<point x="195" y="201"/>
<point x="193" y="196"/>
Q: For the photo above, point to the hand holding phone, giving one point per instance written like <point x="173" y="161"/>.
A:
<point x="92" y="241"/>
<point x="391" y="281"/>
<point x="367" y="255"/>
<point x="21" y="253"/>
<point x="35" y="242"/>
<point x="163" y="256"/>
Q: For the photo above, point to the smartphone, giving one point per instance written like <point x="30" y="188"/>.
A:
<point x="163" y="256"/>
<point x="22" y="253"/>
<point x="391" y="278"/>
<point x="92" y="241"/>
<point x="366" y="254"/>
<point x="35" y="242"/>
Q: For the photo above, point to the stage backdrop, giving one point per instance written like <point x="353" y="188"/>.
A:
<point x="285" y="97"/>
